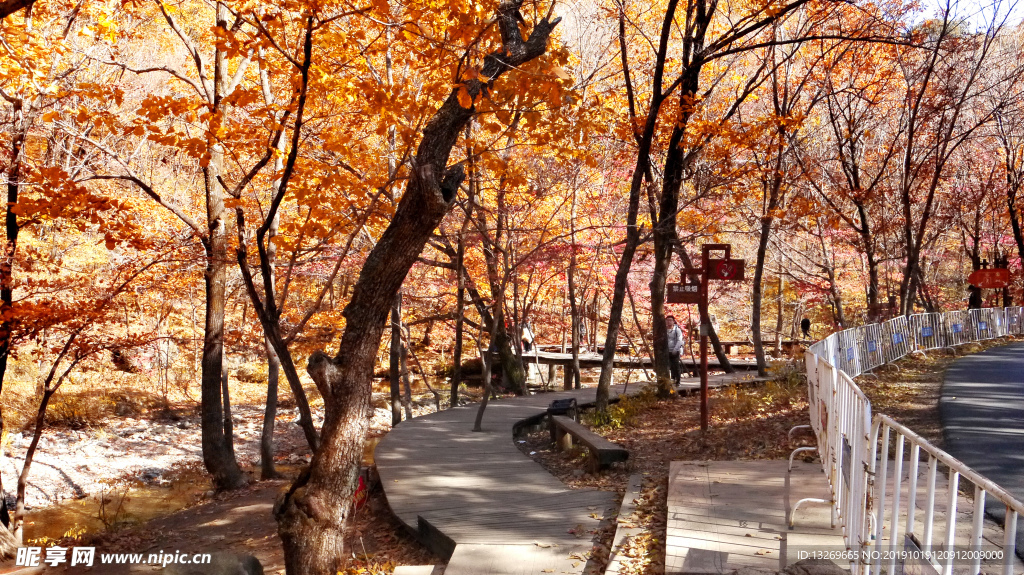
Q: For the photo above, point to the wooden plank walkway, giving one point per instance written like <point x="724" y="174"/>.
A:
<point x="474" y="498"/>
<point x="477" y="501"/>
<point x="593" y="360"/>
<point x="726" y="515"/>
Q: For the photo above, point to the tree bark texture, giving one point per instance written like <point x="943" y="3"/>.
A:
<point x="757" y="296"/>
<point x="8" y="7"/>
<point x="218" y="455"/>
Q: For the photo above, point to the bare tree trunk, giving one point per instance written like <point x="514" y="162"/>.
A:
<point x="868" y="241"/>
<point x="12" y="228"/>
<point x="267" y="470"/>
<point x="778" y="316"/>
<point x="218" y="454"/>
<point x="666" y="238"/>
<point x="406" y="377"/>
<point x="574" y="312"/>
<point x="486" y="362"/>
<point x="217" y="451"/>
<point x="756" y="296"/>
<point x="229" y="424"/>
<point x="312" y="515"/>
<point x="395" y="371"/>
<point x="460" y="310"/>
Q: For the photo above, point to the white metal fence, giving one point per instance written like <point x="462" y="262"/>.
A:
<point x="841" y="420"/>
<point x="848" y="442"/>
<point x="899" y="522"/>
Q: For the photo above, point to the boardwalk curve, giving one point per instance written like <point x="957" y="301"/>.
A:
<point x="477" y="501"/>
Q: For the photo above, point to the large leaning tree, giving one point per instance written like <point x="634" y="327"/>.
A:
<point x="312" y="515"/>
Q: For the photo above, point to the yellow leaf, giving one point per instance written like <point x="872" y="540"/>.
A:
<point x="465" y="100"/>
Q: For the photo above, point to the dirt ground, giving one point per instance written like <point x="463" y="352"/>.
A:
<point x="242" y="522"/>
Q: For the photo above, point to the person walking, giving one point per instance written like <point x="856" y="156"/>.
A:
<point x="527" y="337"/>
<point x="675" y="347"/>
<point x="805" y="326"/>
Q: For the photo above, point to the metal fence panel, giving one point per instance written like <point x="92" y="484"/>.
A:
<point x="869" y="344"/>
<point x="1013" y="320"/>
<point x="848" y="359"/>
<point x="927" y="331"/>
<point x="897" y="341"/>
<point x="982" y="324"/>
<point x="956" y="325"/>
<point x="999" y="316"/>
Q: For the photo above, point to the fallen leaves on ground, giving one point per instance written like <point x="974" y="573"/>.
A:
<point x="750" y="421"/>
<point x="908" y="390"/>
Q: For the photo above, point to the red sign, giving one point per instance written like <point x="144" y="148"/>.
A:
<point x="725" y="270"/>
<point x="992" y="278"/>
<point x="683" y="293"/>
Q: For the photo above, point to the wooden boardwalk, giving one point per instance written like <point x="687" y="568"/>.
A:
<point x="480" y="503"/>
<point x="475" y="499"/>
<point x="593" y="360"/>
<point x="726" y="515"/>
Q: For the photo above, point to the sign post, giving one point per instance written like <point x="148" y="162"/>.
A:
<point x="691" y="292"/>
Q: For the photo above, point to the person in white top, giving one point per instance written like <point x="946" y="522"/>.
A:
<point x="527" y="337"/>
<point x="675" y="347"/>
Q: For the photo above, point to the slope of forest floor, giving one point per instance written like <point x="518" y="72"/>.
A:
<point x="112" y="471"/>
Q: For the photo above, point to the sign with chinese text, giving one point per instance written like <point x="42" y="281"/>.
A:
<point x="683" y="293"/>
<point x="992" y="278"/>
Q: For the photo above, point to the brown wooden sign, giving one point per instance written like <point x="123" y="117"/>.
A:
<point x="683" y="293"/>
<point x="992" y="278"/>
<point x="728" y="270"/>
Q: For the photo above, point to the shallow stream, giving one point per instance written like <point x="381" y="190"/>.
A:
<point x="131" y="504"/>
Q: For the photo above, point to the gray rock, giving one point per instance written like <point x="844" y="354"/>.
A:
<point x="220" y="564"/>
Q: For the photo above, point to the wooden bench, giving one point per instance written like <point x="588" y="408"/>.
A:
<point x="769" y="343"/>
<point x="602" y="452"/>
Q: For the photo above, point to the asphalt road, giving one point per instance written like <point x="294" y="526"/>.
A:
<point x="982" y="409"/>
